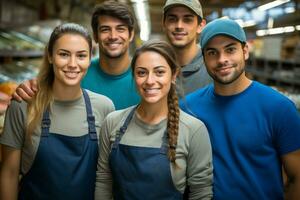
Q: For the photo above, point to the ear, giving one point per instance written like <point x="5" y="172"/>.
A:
<point x="174" y="77"/>
<point x="246" y="51"/>
<point x="131" y="35"/>
<point x="201" y="26"/>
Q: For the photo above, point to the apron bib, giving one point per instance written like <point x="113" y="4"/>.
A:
<point x="141" y="172"/>
<point x="64" y="167"/>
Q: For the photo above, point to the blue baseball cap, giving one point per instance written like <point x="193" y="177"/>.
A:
<point x="226" y="27"/>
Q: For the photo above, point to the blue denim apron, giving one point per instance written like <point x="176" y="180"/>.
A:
<point x="64" y="167"/>
<point x="141" y="172"/>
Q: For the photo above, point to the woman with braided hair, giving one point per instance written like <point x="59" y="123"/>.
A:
<point x="154" y="150"/>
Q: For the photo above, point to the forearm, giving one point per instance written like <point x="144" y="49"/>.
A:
<point x="103" y="190"/>
<point x="292" y="190"/>
<point x="8" y="186"/>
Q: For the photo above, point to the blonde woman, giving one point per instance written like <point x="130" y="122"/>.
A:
<point x="52" y="141"/>
<point x="154" y="150"/>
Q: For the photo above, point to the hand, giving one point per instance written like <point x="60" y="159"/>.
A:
<point x="25" y="91"/>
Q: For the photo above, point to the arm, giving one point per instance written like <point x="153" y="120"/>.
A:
<point x="199" y="170"/>
<point x="9" y="173"/>
<point x="25" y="91"/>
<point x="103" y="188"/>
<point x="291" y="166"/>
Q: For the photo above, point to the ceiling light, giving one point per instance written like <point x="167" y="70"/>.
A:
<point x="272" y="4"/>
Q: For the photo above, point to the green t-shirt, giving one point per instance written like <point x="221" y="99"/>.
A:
<point x="119" y="88"/>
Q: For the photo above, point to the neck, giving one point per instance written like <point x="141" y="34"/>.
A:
<point x="152" y="114"/>
<point x="114" y="66"/>
<point x="66" y="93"/>
<point x="233" y="88"/>
<point x="187" y="54"/>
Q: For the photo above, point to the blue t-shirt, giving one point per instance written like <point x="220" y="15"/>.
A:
<point x="249" y="132"/>
<point x="119" y="88"/>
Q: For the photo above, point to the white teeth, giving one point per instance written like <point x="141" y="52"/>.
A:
<point x="151" y="90"/>
<point x="71" y="74"/>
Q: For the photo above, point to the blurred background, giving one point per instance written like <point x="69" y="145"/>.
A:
<point x="272" y="27"/>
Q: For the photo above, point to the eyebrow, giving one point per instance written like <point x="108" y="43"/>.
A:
<point x="226" y="46"/>
<point x="107" y="26"/>
<point x="174" y="15"/>
<point x="156" y="67"/>
<point x="80" y="51"/>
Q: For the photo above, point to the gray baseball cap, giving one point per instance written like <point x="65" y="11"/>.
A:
<point x="194" y="5"/>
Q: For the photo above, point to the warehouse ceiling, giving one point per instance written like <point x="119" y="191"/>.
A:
<point x="246" y="10"/>
<point x="238" y="8"/>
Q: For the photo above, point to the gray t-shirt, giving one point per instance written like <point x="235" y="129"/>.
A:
<point x="67" y="118"/>
<point x="193" y="76"/>
<point x="193" y="153"/>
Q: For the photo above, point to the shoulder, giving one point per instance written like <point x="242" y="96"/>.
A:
<point x="190" y="123"/>
<point x="116" y="118"/>
<point x="119" y="115"/>
<point x="266" y="93"/>
<point x="197" y="96"/>
<point x="16" y="106"/>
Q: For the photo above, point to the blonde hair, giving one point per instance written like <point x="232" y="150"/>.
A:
<point x="165" y="50"/>
<point x="44" y="97"/>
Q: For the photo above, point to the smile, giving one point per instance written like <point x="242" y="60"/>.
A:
<point x="71" y="74"/>
<point x="151" y="90"/>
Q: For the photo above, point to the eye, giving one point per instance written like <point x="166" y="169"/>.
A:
<point x="171" y="19"/>
<point x="188" y="19"/>
<point x="121" y="29"/>
<point x="104" y="29"/>
<point x="82" y="56"/>
<point x="231" y="50"/>
<point x="63" y="54"/>
<point x="160" y="72"/>
<point x="211" y="53"/>
<point x="141" y="73"/>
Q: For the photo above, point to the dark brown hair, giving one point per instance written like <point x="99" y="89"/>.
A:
<point x="166" y="50"/>
<point x="114" y="9"/>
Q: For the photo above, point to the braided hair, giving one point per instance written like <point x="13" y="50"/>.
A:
<point x="165" y="50"/>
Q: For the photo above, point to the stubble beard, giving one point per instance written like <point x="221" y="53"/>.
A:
<point x="233" y="77"/>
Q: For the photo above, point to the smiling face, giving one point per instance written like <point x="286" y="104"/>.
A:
<point x="71" y="59"/>
<point x="153" y="77"/>
<point x="181" y="26"/>
<point x="225" y="59"/>
<point x="113" y="37"/>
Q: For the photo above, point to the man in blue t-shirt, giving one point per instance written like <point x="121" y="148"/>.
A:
<point x="254" y="130"/>
<point x="110" y="74"/>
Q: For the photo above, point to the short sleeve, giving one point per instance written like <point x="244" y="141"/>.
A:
<point x="287" y="128"/>
<point x="14" y="125"/>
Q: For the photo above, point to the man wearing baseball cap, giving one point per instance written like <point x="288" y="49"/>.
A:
<point x="254" y="130"/>
<point x="182" y="23"/>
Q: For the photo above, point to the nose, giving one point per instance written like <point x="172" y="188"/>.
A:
<point x="72" y="61"/>
<point x="150" y="79"/>
<point x="223" y="59"/>
<point x="179" y="24"/>
<point x="113" y="34"/>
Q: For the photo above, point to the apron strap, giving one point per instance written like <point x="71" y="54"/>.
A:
<point x="123" y="128"/>
<point x="90" y="116"/>
<point x="164" y="145"/>
<point x="45" y="125"/>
